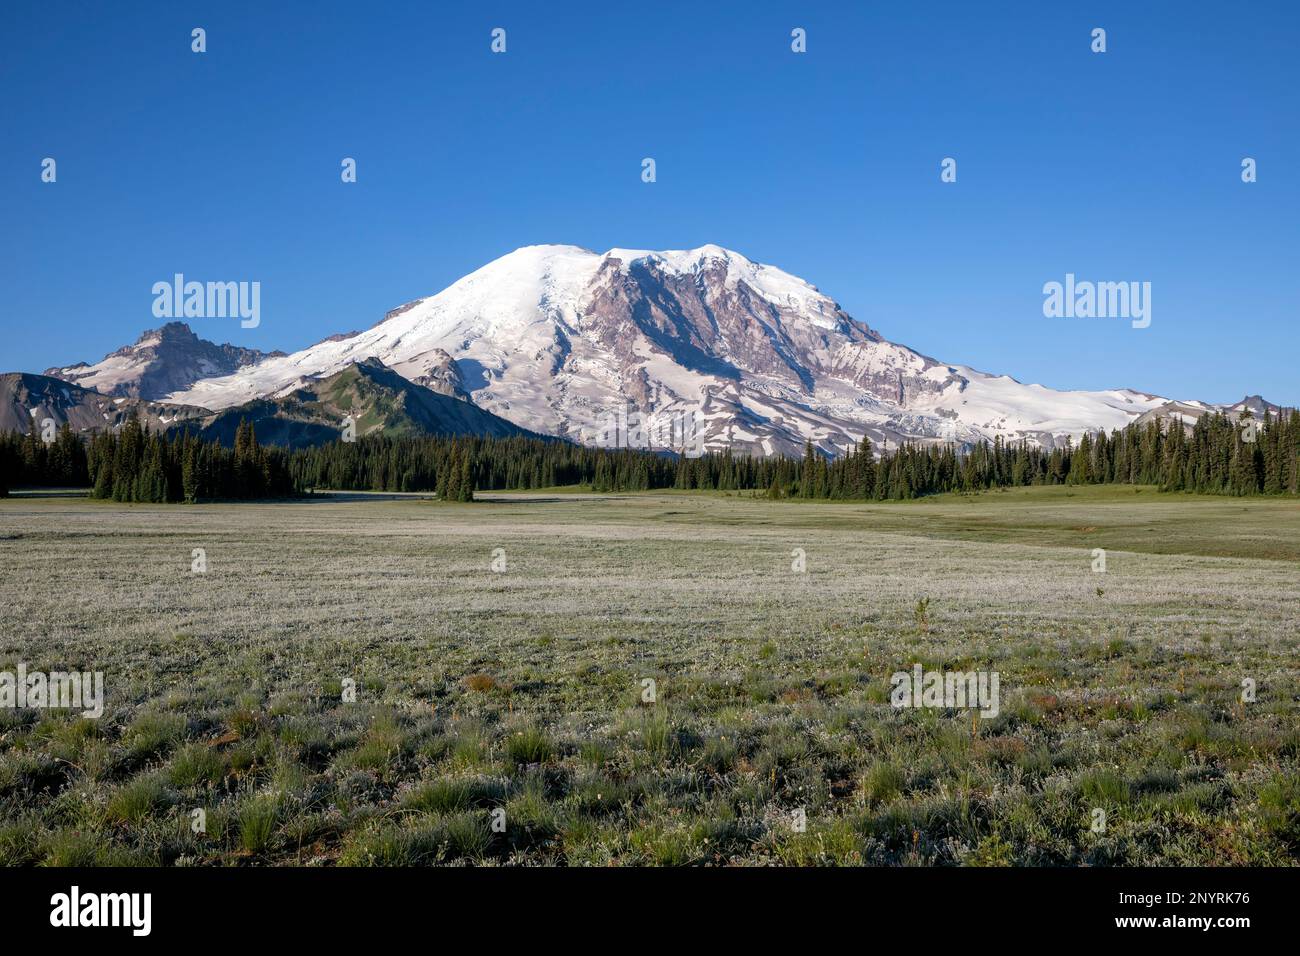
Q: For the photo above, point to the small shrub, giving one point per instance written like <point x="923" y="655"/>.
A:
<point x="481" y="683"/>
<point x="1279" y="809"/>
<point x="451" y="794"/>
<point x="921" y="615"/>
<point x="1104" y="787"/>
<point x="137" y="799"/>
<point x="257" y="820"/>
<point x="882" y="783"/>
<point x="151" y="734"/>
<point x="195" y="765"/>
<point x="529" y="745"/>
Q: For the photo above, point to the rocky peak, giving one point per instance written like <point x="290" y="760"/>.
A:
<point x="162" y="360"/>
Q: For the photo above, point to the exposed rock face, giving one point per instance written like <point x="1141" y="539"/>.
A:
<point x="26" y="401"/>
<point x="443" y="377"/>
<point x="1257" y="406"/>
<point x="162" y="361"/>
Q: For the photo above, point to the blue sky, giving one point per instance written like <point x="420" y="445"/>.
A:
<point x="225" y="166"/>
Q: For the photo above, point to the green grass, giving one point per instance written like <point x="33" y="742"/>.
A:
<point x="500" y="718"/>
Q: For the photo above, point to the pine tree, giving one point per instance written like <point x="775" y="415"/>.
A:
<point x="465" y="491"/>
<point x="190" y="469"/>
<point x="807" y="472"/>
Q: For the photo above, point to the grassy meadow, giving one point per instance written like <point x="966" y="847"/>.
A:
<point x="501" y="716"/>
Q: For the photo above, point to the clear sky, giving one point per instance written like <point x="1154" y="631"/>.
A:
<point x="1122" y="166"/>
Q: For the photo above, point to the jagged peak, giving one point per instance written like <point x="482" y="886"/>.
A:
<point x="173" y="329"/>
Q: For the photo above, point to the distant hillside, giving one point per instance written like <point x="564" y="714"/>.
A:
<point x="26" y="400"/>
<point x="373" y="396"/>
<point x="1189" y="412"/>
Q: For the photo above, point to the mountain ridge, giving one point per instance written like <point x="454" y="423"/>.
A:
<point x="161" y="361"/>
<point x="562" y="340"/>
<point x="366" y="398"/>
<point x="362" y="399"/>
<point x="28" y="399"/>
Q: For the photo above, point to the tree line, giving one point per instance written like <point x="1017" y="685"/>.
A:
<point x="28" y="460"/>
<point x="135" y="464"/>
<point x="1218" y="456"/>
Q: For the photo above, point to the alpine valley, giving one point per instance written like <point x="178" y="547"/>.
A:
<point x="559" y="340"/>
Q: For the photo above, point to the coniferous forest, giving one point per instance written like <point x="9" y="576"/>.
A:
<point x="134" y="464"/>
<point x="1217" y="456"/>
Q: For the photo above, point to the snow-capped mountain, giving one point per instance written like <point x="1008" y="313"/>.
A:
<point x="564" y="341"/>
<point x="559" y="339"/>
<point x="1188" y="413"/>
<point x="162" y="361"/>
